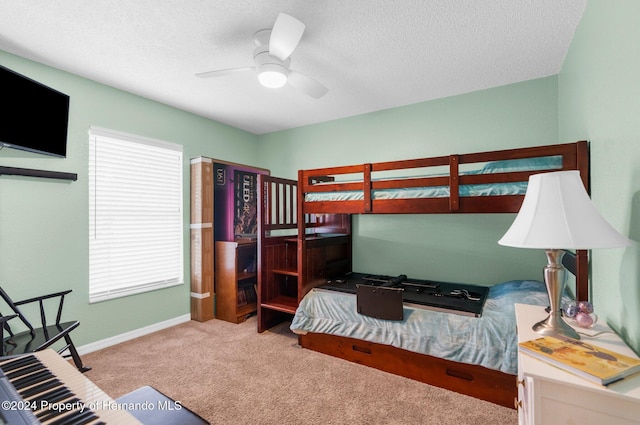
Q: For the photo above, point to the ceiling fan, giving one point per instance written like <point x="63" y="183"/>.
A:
<point x="272" y="58"/>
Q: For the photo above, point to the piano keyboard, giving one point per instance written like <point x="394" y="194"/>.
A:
<point x="43" y="388"/>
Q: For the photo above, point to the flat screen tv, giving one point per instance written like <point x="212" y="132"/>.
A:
<point x="34" y="117"/>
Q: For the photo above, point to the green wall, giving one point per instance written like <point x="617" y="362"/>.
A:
<point x="44" y="223"/>
<point x="44" y="226"/>
<point x="599" y="100"/>
<point x="460" y="248"/>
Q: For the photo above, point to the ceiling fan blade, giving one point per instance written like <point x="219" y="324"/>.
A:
<point x="306" y="84"/>
<point x="285" y="36"/>
<point x="224" y="72"/>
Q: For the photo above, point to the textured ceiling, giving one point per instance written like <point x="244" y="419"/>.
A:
<point x="371" y="54"/>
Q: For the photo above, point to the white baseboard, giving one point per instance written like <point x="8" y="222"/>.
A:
<point x="108" y="342"/>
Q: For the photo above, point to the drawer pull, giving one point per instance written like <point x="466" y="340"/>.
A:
<point x="361" y="349"/>
<point x="459" y="374"/>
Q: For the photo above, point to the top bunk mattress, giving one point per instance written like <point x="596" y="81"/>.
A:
<point x="548" y="163"/>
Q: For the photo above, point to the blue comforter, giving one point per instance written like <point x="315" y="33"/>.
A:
<point x="489" y="341"/>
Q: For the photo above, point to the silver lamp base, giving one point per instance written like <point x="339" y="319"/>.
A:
<point x="553" y="325"/>
<point x="554" y="274"/>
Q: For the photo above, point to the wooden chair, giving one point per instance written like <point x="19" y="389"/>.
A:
<point x="37" y="339"/>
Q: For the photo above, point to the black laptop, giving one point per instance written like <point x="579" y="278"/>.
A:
<point x="379" y="302"/>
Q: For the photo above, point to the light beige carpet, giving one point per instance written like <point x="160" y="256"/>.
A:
<point x="230" y="374"/>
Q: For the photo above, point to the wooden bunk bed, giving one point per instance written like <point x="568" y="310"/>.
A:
<point x="319" y="245"/>
<point x="571" y="156"/>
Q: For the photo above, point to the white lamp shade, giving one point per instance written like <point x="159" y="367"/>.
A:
<point x="557" y="213"/>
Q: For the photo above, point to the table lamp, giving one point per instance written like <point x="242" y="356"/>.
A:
<point x="557" y="214"/>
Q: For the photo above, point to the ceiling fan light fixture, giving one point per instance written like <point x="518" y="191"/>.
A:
<point x="272" y="57"/>
<point x="272" y="76"/>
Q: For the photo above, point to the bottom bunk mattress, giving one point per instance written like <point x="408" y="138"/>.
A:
<point x="489" y="340"/>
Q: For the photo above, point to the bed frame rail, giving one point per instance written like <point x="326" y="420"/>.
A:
<point x="278" y="206"/>
<point x="363" y="178"/>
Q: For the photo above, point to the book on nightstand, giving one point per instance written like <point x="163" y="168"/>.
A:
<point x="584" y="359"/>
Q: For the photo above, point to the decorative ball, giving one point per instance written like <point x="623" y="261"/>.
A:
<point x="585" y="307"/>
<point x="584" y="320"/>
<point x="570" y="309"/>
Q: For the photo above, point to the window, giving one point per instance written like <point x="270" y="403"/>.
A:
<point x="135" y="214"/>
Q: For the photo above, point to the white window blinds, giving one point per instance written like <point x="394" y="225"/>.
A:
<point x="135" y="214"/>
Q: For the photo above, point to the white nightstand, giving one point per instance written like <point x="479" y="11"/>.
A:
<point x="550" y="396"/>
